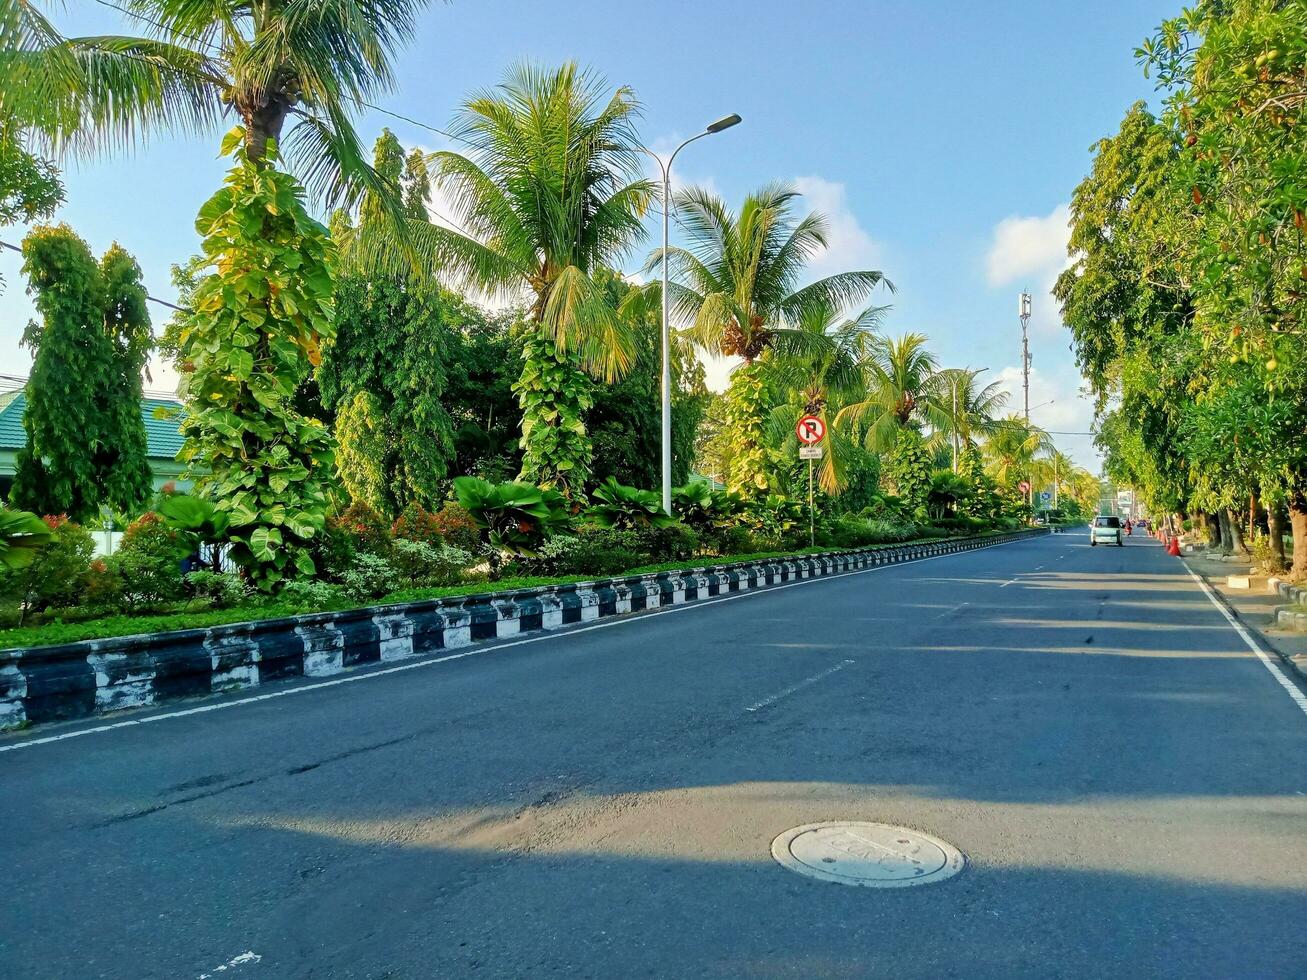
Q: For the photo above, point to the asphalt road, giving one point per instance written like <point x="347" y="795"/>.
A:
<point x="1128" y="783"/>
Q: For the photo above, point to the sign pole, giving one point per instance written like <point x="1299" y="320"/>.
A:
<point x="812" y="534"/>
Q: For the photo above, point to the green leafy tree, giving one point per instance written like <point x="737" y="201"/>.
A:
<point x="907" y="473"/>
<point x="86" y="441"/>
<point x="293" y="73"/>
<point x="737" y="282"/>
<point x="30" y="187"/>
<point x="383" y="373"/>
<point x="967" y="411"/>
<point x="257" y="326"/>
<point x="548" y="192"/>
<point x="625" y="419"/>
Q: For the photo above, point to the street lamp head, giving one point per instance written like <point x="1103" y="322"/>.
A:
<point x="726" y="122"/>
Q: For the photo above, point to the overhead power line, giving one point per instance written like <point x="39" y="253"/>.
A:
<point x="152" y="299"/>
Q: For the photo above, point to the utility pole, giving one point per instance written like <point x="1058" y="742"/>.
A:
<point x="1024" y="313"/>
<point x="1025" y="350"/>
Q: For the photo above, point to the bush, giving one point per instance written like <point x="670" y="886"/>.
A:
<point x="366" y="530"/>
<point x="733" y="539"/>
<point x="419" y="563"/>
<point x="104" y="586"/>
<point x="149" y="562"/>
<point x="356" y="530"/>
<point x="670" y="542"/>
<point x="457" y="528"/>
<point x="517" y="517"/>
<point x="221" y="589"/>
<point x="418" y="524"/>
<point x="311" y="593"/>
<point x="592" y="550"/>
<point x="369" y="577"/>
<point x="57" y="575"/>
<point x="617" y="505"/>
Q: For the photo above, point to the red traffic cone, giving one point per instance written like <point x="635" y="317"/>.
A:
<point x="1173" y="546"/>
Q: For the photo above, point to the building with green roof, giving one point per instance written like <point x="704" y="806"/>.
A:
<point x="163" y="438"/>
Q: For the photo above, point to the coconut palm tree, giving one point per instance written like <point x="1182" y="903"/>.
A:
<point x="903" y="391"/>
<point x="1012" y="447"/>
<point x="737" y="282"/>
<point x="549" y="191"/>
<point x="820" y="376"/>
<point x="292" y="72"/>
<point x="967" y="410"/>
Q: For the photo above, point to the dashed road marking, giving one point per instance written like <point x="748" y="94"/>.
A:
<point x="793" y="689"/>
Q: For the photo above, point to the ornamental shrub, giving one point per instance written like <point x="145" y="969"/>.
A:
<point x="221" y="589"/>
<point x="149" y="562"/>
<point x="104" y="586"/>
<point x="369" y="577"/>
<point x="416" y="523"/>
<point x="457" y="527"/>
<point x="57" y="575"/>
<point x="366" y="530"/>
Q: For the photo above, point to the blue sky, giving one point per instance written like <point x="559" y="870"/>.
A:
<point x="942" y="139"/>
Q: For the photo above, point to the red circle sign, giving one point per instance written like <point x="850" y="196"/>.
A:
<point x="810" y="430"/>
<point x="1025" y="487"/>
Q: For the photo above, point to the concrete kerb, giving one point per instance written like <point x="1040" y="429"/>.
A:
<point x="92" y="677"/>
<point x="1291" y="617"/>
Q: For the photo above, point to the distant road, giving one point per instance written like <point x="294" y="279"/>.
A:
<point x="1127" y="781"/>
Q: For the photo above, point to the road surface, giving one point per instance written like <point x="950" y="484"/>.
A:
<point x="1125" y="778"/>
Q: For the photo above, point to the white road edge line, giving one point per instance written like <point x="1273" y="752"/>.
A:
<point x="768" y="702"/>
<point x="414" y="665"/>
<point x="1290" y="688"/>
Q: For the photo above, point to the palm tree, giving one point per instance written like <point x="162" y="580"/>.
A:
<point x="549" y="191"/>
<point x="737" y="283"/>
<point x="902" y="391"/>
<point x="820" y="376"/>
<point x="1011" y="449"/>
<point x="306" y="65"/>
<point x="967" y="409"/>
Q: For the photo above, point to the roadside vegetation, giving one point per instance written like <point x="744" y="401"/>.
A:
<point x="359" y="427"/>
<point x="1187" y="296"/>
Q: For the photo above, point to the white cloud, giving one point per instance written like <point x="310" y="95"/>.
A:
<point x="849" y="246"/>
<point x="1032" y="249"/>
<point x="1025" y="247"/>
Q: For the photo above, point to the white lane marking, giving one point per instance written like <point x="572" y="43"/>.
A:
<point x="249" y="956"/>
<point x="355" y="678"/>
<point x="1008" y="582"/>
<point x="1038" y="567"/>
<point x="1289" y="686"/>
<point x="949" y="612"/>
<point x="768" y="702"/>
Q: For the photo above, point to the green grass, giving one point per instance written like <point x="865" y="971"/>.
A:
<point x="182" y="618"/>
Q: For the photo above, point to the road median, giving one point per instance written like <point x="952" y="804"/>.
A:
<point x="93" y="677"/>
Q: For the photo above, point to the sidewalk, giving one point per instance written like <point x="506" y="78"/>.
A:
<point x="1255" y="608"/>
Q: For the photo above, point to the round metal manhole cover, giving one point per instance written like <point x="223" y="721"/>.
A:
<point x="872" y="855"/>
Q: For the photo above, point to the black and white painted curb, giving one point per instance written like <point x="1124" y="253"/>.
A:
<point x="1290" y="617"/>
<point x="76" y="680"/>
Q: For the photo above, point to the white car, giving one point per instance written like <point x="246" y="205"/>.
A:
<point x="1106" y="529"/>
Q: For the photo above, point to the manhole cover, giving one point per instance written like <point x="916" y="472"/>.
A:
<point x="873" y="855"/>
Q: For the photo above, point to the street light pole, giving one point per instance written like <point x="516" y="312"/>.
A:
<point x="725" y="122"/>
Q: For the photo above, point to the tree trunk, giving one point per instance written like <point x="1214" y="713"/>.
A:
<point x="1275" y="531"/>
<point x="1237" y="544"/>
<point x="1224" y="525"/>
<point x="1213" y="525"/>
<point x="1298" y="523"/>
<point x="264" y="121"/>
